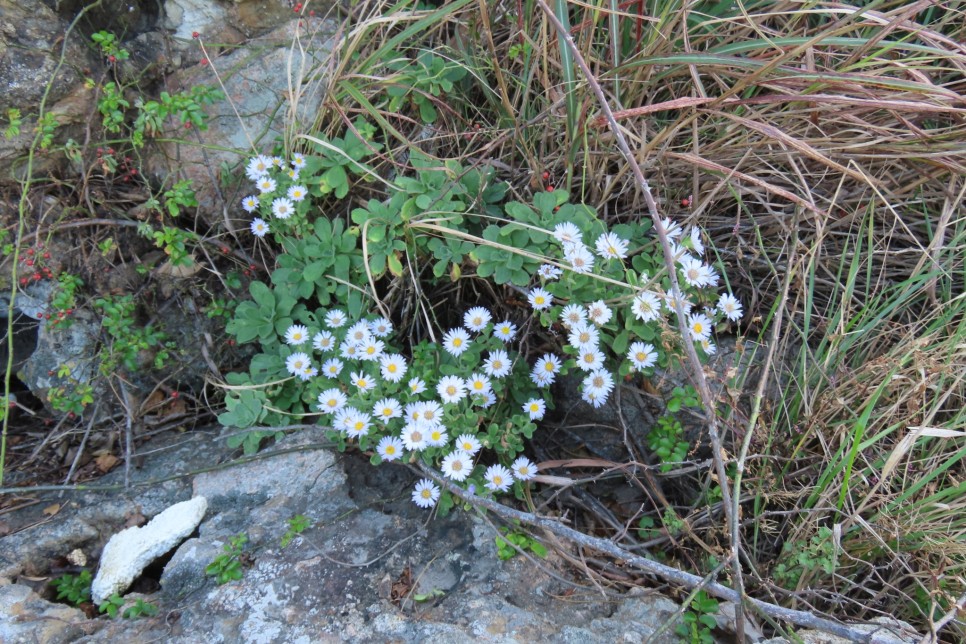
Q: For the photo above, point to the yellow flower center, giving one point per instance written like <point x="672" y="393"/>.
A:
<point x="359" y="425"/>
<point x="391" y="368"/>
<point x="549" y="367"/>
<point x="698" y="327"/>
<point x="457" y="342"/>
<point x="451" y="390"/>
<point x="390" y="450"/>
<point x="416" y="436"/>
<point x="427" y="493"/>
<point x="641" y="357"/>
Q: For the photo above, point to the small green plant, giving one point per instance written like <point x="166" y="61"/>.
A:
<point x="76" y="589"/>
<point x="174" y="242"/>
<point x="296" y="526"/>
<point x="46" y="126"/>
<point x="420" y="598"/>
<point x="666" y="440"/>
<point x="111" y="105"/>
<point x="180" y="196"/>
<point x="227" y="566"/>
<point x="139" y="609"/>
<point x="699" y="620"/>
<point x="128" y="339"/>
<point x="107" y="43"/>
<point x="14" y="121"/>
<point x="800" y="558"/>
<point x="523" y="541"/>
<point x="426" y="78"/>
<point x="73" y="396"/>
<point x="112" y="605"/>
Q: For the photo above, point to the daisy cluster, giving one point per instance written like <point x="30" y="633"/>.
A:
<point x="592" y="329"/>
<point x="278" y="191"/>
<point x="372" y="394"/>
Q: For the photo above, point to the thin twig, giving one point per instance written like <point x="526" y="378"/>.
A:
<point x="669" y="573"/>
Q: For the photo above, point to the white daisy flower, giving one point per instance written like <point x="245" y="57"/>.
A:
<point x="696" y="243"/>
<point x="699" y="325"/>
<point x="387" y="409"/>
<point x="297" y="193"/>
<point x="343" y="418"/>
<point x="536" y="408"/>
<point x="456" y="341"/>
<point x="709" y="347"/>
<point x="549" y="366"/>
<point x="591" y="397"/>
<point x="431" y="413"/>
<point x="468" y="444"/>
<point x="425" y="494"/>
<point x="457" y="465"/>
<point x="359" y="425"/>
<point x="331" y="401"/>
<point x="712" y="276"/>
<point x="295" y="364"/>
<point x="486" y="400"/>
<point x="390" y="448"/>
<point x="677" y="296"/>
<point x="549" y="272"/>
<point x="363" y="381"/>
<point x="541" y="378"/>
<point x="282" y="208"/>
<point x="380" y="327"/>
<point x="572" y="314"/>
<point x="478" y="385"/>
<point x="695" y="272"/>
<point x="599" y="313"/>
<point x="600" y="382"/>
<point x="498" y="478"/>
<point x="335" y="319"/>
<point x="393" y="367"/>
<point x="296" y="334"/>
<point x="358" y="332"/>
<point x="259" y="227"/>
<point x="523" y="469"/>
<point x="581" y="260"/>
<point x="293" y="174"/>
<point x="298" y="160"/>
<point x="308" y="372"/>
<point x="610" y="246"/>
<point x="730" y="307"/>
<point x="414" y="436"/>
<point x="258" y="167"/>
<point x="451" y="389"/>
<point x="540" y="299"/>
<point x="417" y="386"/>
<point x="583" y="336"/>
<point x="567" y="233"/>
<point x="250" y="203"/>
<point x="497" y="364"/>
<point x="323" y="341"/>
<point x="332" y="367"/>
<point x="266" y="185"/>
<point x="371" y="349"/>
<point x="646" y="306"/>
<point x="476" y="319"/>
<point x="642" y="355"/>
<point x="349" y="350"/>
<point x="590" y="359"/>
<point x="505" y="330"/>
<point x="277" y="161"/>
<point x="672" y="229"/>
<point x="437" y="437"/>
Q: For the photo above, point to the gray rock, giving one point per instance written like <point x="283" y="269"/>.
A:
<point x="130" y="551"/>
<point x="26" y="618"/>
<point x="256" y="84"/>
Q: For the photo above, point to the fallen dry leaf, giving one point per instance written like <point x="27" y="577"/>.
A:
<point x="105" y="462"/>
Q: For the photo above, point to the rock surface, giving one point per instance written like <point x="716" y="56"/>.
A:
<point x="130" y="551"/>
<point x="371" y="568"/>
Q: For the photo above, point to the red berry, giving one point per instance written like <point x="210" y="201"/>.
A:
<point x="50" y="373"/>
<point x="47" y="316"/>
<point x="311" y="12"/>
<point x="174" y="394"/>
<point x="112" y="58"/>
<point x="546" y="175"/>
<point x="46" y="255"/>
<point x="477" y="126"/>
<point x="252" y="267"/>
<point x="686" y="202"/>
<point x="30" y="251"/>
<point x="36" y="277"/>
<point x="204" y="61"/>
<point x="29" y="262"/>
<point x="72" y="415"/>
<point x="224" y="250"/>
<point x="40" y="316"/>
<point x="69" y="311"/>
<point x="134" y="171"/>
<point x="549" y="187"/>
<point x="110" y="150"/>
<point x="23" y="281"/>
<point x="231" y="343"/>
<point x="247" y="273"/>
<point x="195" y="34"/>
<point x="187" y="125"/>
